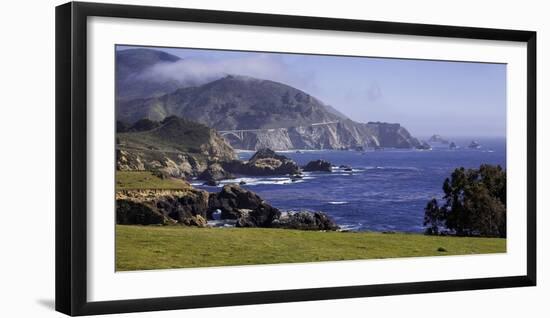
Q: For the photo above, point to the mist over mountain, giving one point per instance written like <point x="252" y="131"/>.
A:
<point x="130" y="68"/>
<point x="251" y="113"/>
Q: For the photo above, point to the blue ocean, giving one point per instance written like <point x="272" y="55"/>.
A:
<point x="386" y="190"/>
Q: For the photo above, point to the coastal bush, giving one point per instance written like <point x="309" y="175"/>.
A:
<point x="474" y="204"/>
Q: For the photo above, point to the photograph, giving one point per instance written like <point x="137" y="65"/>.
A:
<point x="234" y="158"/>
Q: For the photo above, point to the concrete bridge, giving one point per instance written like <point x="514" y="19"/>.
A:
<point x="239" y="133"/>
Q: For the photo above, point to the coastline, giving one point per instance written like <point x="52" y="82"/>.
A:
<point x="354" y="200"/>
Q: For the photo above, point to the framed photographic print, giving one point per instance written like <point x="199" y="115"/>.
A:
<point x="210" y="158"/>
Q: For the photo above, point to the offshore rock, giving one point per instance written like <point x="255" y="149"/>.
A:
<point x="235" y="202"/>
<point x="214" y="173"/>
<point x="318" y="165"/>
<point x="263" y="162"/>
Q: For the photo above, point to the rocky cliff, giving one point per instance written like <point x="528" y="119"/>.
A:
<point x="392" y="135"/>
<point x="174" y="146"/>
<point x="338" y="136"/>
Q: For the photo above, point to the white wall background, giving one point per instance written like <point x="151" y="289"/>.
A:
<point x="27" y="157"/>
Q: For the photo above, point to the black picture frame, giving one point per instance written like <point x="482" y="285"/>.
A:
<point x="71" y="157"/>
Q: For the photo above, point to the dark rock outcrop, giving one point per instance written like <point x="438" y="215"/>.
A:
<point x="267" y="153"/>
<point x="251" y="211"/>
<point x="183" y="207"/>
<point x="318" y="165"/>
<point x="235" y="202"/>
<point x="263" y="162"/>
<point x="214" y="172"/>
<point x="306" y="220"/>
<point x="130" y="212"/>
<point x="263" y="216"/>
<point x="162" y="206"/>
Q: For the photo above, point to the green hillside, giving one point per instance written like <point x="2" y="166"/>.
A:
<point x="173" y="134"/>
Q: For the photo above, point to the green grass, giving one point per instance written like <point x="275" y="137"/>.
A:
<point x="148" y="247"/>
<point x="131" y="180"/>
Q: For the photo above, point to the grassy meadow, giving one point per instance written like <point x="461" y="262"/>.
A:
<point x="136" y="180"/>
<point x="163" y="247"/>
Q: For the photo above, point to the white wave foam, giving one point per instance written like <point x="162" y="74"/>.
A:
<point x="350" y="227"/>
<point x="261" y="180"/>
<point x="338" y="202"/>
<point x="338" y="169"/>
<point x="222" y="223"/>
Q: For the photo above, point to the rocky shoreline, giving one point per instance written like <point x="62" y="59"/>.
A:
<point x="195" y="207"/>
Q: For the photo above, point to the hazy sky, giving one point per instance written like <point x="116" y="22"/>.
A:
<point x="427" y="97"/>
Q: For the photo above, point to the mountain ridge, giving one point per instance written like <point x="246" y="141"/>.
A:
<point x="264" y="113"/>
<point x="233" y="102"/>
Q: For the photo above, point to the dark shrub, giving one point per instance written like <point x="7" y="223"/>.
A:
<point x="474" y="204"/>
<point x="144" y="125"/>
